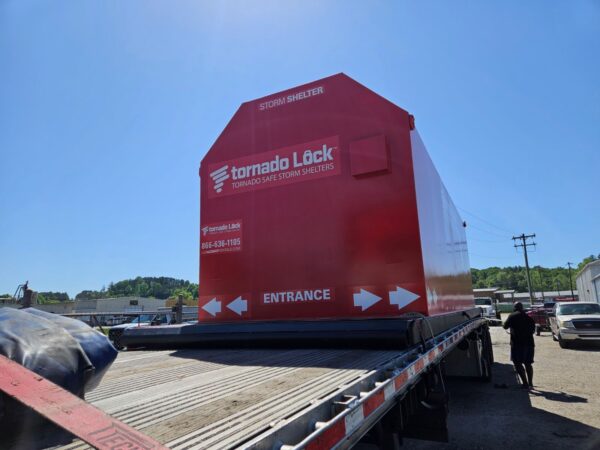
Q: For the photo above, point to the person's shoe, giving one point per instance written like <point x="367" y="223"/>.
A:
<point x="525" y="386"/>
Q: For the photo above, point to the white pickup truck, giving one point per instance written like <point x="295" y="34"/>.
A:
<point x="575" y="322"/>
<point x="487" y="307"/>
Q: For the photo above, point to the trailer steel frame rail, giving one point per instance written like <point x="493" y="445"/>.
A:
<point x="360" y="405"/>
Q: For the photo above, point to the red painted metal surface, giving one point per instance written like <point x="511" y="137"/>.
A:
<point x="445" y="257"/>
<point x="540" y="317"/>
<point x="332" y="213"/>
<point x="68" y="411"/>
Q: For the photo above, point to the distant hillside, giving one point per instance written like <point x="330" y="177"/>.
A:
<point x="157" y="287"/>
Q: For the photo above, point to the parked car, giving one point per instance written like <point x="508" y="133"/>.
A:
<point x="164" y="317"/>
<point x="115" y="333"/>
<point x="549" y="306"/>
<point x="575" y="321"/>
<point x="540" y="315"/>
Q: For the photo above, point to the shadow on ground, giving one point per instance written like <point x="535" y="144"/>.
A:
<point x="500" y="415"/>
<point x="558" y="396"/>
<point x="332" y="358"/>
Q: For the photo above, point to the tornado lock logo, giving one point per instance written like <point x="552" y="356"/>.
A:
<point x="218" y="177"/>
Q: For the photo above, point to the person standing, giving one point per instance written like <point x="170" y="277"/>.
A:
<point x="522" y="345"/>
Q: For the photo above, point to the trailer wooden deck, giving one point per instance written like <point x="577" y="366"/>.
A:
<point x="220" y="398"/>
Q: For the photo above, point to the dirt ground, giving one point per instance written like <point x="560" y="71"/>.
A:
<point x="562" y="412"/>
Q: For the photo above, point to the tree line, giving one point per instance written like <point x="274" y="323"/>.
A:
<point x="153" y="287"/>
<point x="542" y="278"/>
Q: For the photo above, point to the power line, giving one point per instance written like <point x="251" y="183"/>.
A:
<point x="485" y="221"/>
<point x="490" y="257"/>
<point x="530" y="251"/>
<point x="524" y="243"/>
<point x="489" y="232"/>
<point x="497" y="241"/>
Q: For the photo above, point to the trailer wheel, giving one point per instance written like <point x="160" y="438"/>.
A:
<point x="486" y="370"/>
<point x="487" y="355"/>
<point x="487" y="343"/>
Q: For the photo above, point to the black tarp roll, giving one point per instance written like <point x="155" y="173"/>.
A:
<point x="65" y="351"/>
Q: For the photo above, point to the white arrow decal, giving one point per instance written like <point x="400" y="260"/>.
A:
<point x="213" y="307"/>
<point x="238" y="306"/>
<point x="401" y="297"/>
<point x="365" y="299"/>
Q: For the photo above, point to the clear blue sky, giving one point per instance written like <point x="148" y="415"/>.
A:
<point x="107" y="107"/>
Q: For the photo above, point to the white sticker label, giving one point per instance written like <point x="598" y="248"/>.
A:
<point x="353" y="419"/>
<point x="388" y="391"/>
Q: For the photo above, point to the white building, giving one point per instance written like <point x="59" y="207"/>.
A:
<point x="119" y="304"/>
<point x="56" y="308"/>
<point x="511" y="296"/>
<point x="588" y="282"/>
<point x="548" y="296"/>
<point x="101" y="305"/>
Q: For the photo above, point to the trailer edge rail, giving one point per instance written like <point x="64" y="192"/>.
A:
<point x="364" y="402"/>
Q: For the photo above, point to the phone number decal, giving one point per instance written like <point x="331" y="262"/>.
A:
<point x="222" y="237"/>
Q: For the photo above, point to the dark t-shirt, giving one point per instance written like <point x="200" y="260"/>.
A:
<point x="522" y="328"/>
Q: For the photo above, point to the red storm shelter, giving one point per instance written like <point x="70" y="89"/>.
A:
<point x="321" y="202"/>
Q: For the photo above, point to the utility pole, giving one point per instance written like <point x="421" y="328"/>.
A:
<point x="571" y="281"/>
<point x="523" y="238"/>
<point x="539" y="272"/>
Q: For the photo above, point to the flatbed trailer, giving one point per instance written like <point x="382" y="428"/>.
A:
<point x="291" y="398"/>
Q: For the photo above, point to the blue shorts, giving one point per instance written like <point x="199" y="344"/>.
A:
<point x="522" y="354"/>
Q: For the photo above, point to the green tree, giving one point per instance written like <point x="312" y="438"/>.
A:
<point x="52" y="297"/>
<point x="156" y="287"/>
<point x="586" y="261"/>
<point x="187" y="295"/>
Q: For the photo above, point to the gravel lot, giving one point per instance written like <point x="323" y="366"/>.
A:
<point x="562" y="412"/>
